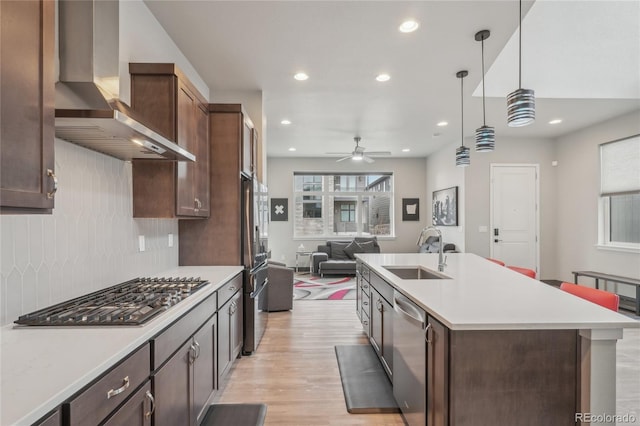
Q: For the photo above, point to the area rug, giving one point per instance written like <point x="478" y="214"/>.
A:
<point x="306" y="287"/>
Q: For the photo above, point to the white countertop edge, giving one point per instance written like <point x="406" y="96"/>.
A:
<point x="152" y="328"/>
<point x="410" y="288"/>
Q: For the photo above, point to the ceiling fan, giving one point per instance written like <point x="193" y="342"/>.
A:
<point x="358" y="154"/>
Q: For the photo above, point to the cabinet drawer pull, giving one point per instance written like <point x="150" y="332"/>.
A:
<point x="365" y="322"/>
<point x="232" y="288"/>
<point x="365" y="303"/>
<point x="55" y="183"/>
<point x="152" y="403"/>
<point x="124" y="387"/>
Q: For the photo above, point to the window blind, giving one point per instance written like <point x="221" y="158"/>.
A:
<point x="620" y="166"/>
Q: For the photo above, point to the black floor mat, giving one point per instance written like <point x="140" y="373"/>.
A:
<point x="235" y="415"/>
<point x="367" y="389"/>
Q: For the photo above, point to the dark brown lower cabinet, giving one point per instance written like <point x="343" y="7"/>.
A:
<point x="381" y="337"/>
<point x="229" y="333"/>
<point x="437" y="373"/>
<point x="137" y="411"/>
<point x="184" y="384"/>
<point x="98" y="401"/>
<point x="53" y="419"/>
<point x="204" y="372"/>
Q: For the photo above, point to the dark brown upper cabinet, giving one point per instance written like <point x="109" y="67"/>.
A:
<point x="167" y="102"/>
<point x="27" y="174"/>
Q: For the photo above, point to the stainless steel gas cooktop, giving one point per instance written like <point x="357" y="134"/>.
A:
<point x="130" y="303"/>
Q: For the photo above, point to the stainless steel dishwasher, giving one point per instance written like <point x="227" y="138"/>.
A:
<point x="409" y="359"/>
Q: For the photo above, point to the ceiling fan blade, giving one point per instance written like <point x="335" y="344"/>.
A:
<point x="368" y="159"/>
<point x="337" y="153"/>
<point x="343" y="158"/>
<point x="378" y="153"/>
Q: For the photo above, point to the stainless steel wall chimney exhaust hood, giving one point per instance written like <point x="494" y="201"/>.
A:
<point x="88" y="109"/>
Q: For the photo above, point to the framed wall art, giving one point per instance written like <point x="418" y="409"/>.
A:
<point x="279" y="209"/>
<point x="445" y="207"/>
<point x="410" y="209"/>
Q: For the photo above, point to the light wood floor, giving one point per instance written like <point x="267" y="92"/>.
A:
<point x="295" y="371"/>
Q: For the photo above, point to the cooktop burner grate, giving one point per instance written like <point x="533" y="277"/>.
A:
<point x="130" y="303"/>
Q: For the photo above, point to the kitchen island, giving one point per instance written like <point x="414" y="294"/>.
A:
<point x="508" y="349"/>
<point x="42" y="367"/>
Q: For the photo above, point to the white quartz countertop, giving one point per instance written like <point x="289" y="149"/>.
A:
<point x="481" y="295"/>
<point x="41" y="367"/>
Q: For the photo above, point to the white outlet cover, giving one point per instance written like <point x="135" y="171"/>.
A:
<point x="170" y="240"/>
<point x="141" y="242"/>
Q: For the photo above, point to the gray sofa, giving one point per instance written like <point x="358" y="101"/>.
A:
<point x="432" y="245"/>
<point x="338" y="257"/>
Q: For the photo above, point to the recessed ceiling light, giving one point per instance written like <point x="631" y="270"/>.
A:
<point x="443" y="123"/>
<point x="383" y="77"/>
<point x="556" y="121"/>
<point x="406" y="150"/>
<point x="301" y="76"/>
<point x="408" y="26"/>
<point x="285" y="122"/>
<point x="292" y="149"/>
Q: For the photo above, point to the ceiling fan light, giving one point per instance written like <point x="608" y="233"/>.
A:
<point x="357" y="157"/>
<point x="462" y="156"/>
<point x="485" y="139"/>
<point x="521" y="108"/>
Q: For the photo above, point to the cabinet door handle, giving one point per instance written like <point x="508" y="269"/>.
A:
<point x="197" y="348"/>
<point x="192" y="354"/>
<point x="365" y="322"/>
<point x="55" y="183"/>
<point x="428" y="331"/>
<point x="365" y="303"/>
<point x="152" y="403"/>
<point x="124" y="387"/>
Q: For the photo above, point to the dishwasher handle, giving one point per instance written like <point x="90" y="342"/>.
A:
<point x="409" y="312"/>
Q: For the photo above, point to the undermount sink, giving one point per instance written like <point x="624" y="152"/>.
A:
<point x="415" y="273"/>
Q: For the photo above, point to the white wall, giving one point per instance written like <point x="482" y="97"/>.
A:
<point x="477" y="189"/>
<point x="88" y="243"/>
<point x="577" y="199"/>
<point x="409" y="182"/>
<point x="143" y="39"/>
<point x="442" y="173"/>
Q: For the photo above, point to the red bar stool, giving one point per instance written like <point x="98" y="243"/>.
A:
<point x="524" y="271"/>
<point x="601" y="297"/>
<point x="499" y="262"/>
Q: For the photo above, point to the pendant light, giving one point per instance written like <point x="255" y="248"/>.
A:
<point x="485" y="135"/>
<point x="521" y="103"/>
<point x="462" y="152"/>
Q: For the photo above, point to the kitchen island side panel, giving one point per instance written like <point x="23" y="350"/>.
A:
<point x="524" y="377"/>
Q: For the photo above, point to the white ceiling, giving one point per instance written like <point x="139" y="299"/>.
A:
<point x="581" y="57"/>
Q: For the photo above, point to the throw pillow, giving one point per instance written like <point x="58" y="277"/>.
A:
<point x="367" y="247"/>
<point x="352" y="249"/>
<point x="337" y="251"/>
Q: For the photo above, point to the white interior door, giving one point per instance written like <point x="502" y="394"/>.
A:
<point x="514" y="215"/>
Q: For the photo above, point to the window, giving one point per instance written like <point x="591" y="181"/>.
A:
<point x="620" y="194"/>
<point x="329" y="204"/>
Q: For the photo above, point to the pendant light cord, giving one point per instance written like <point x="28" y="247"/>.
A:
<point x="484" y="115"/>
<point x="462" y="110"/>
<point x="519" y="47"/>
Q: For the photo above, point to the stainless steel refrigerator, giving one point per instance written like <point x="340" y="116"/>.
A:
<point x="255" y="253"/>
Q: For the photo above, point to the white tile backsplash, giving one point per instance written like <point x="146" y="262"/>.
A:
<point x="88" y="243"/>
